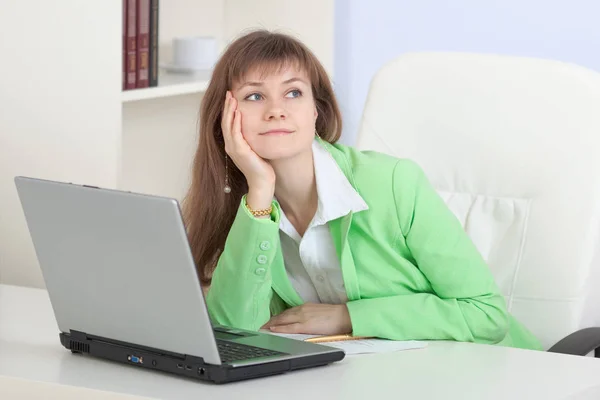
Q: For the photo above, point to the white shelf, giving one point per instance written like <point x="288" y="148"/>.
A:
<point x="169" y="84"/>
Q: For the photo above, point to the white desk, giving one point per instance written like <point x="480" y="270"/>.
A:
<point x="30" y="350"/>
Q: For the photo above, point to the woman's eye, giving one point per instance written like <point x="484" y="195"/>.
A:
<point x="294" y="93"/>
<point x="254" y="97"/>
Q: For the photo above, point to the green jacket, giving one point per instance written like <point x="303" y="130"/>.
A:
<point x="409" y="269"/>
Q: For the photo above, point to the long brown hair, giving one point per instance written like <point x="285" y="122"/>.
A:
<point x="208" y="211"/>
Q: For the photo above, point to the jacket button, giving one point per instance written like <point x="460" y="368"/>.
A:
<point x="259" y="271"/>
<point x="265" y="245"/>
<point x="262" y="259"/>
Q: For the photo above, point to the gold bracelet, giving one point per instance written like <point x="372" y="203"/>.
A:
<point x="260" y="213"/>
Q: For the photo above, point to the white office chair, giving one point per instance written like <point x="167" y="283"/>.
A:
<point x="513" y="146"/>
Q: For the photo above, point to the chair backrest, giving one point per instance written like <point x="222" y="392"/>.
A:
<point x="513" y="146"/>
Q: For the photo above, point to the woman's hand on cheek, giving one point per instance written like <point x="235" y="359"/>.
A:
<point x="312" y="319"/>
<point x="258" y="172"/>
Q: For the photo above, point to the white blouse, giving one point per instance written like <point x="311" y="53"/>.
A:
<point x="311" y="261"/>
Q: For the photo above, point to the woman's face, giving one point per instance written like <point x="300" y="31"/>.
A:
<point x="278" y="112"/>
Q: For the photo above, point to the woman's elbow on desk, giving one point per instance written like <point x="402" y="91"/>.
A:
<point x="488" y="321"/>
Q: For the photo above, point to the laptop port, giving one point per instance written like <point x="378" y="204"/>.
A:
<point x="179" y="366"/>
<point x="135" y="359"/>
<point x="188" y="367"/>
<point x="201" y="371"/>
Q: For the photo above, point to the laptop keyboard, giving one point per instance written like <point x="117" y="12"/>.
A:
<point x="231" y="351"/>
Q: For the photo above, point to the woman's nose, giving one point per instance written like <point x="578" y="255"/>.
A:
<point x="275" y="111"/>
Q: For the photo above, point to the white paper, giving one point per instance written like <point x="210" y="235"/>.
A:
<point x="362" y="346"/>
<point x="365" y="346"/>
<point x="296" y="336"/>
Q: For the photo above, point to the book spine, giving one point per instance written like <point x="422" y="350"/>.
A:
<point x="131" y="45"/>
<point x="153" y="67"/>
<point x="124" y="46"/>
<point x="143" y="43"/>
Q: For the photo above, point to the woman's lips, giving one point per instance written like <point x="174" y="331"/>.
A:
<point x="277" y="132"/>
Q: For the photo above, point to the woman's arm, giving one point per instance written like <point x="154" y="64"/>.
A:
<point x="467" y="304"/>
<point x="240" y="293"/>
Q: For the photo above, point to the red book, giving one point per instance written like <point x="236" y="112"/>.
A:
<point x="131" y="44"/>
<point x="143" y="43"/>
<point x="153" y="67"/>
<point x="124" y="45"/>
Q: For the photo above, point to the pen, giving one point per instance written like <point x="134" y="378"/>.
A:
<point x="334" y="338"/>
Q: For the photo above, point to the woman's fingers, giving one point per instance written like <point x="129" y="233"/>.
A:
<point x="290" y="328"/>
<point x="236" y="129"/>
<point x="227" y="117"/>
<point x="287" y="317"/>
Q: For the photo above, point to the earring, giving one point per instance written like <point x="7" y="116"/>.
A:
<point x="227" y="188"/>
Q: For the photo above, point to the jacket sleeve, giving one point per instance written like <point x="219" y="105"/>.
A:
<point x="241" y="294"/>
<point x="466" y="304"/>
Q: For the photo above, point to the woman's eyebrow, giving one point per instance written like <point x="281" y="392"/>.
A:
<point x="291" y="80"/>
<point x="259" y="84"/>
<point x="255" y="84"/>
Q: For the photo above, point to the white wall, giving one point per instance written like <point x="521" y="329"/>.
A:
<point x="309" y="20"/>
<point x="58" y="120"/>
<point x="370" y="33"/>
<point x="159" y="141"/>
<point x="61" y="115"/>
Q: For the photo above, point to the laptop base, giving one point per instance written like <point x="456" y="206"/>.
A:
<point x="180" y="364"/>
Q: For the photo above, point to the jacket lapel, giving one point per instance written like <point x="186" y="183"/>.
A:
<point x="339" y="231"/>
<point x="340" y="227"/>
<point x="281" y="283"/>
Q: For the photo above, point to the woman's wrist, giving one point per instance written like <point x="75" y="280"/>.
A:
<point x="259" y="200"/>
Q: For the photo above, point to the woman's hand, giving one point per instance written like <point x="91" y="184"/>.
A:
<point x="259" y="173"/>
<point x="312" y="319"/>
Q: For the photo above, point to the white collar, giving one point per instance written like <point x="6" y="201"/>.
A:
<point x="336" y="196"/>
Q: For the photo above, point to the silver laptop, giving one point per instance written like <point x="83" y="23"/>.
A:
<point x="123" y="286"/>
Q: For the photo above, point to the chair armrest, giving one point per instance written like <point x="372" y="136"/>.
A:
<point x="579" y="343"/>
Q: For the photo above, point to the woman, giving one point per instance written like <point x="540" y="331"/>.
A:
<point x="297" y="234"/>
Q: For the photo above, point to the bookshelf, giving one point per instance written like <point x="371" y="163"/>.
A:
<point x="169" y="84"/>
<point x="159" y="124"/>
